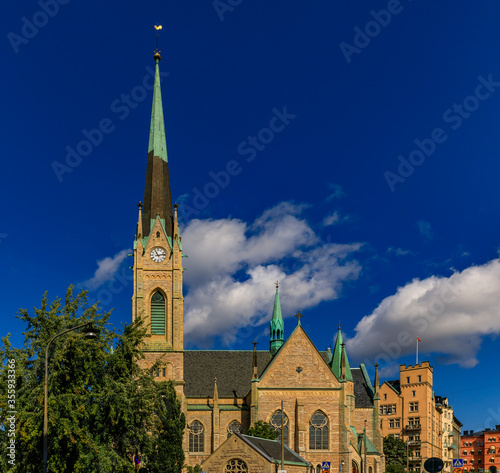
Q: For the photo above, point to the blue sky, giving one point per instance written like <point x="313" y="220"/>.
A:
<point x="349" y="150"/>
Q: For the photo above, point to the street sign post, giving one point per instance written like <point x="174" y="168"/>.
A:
<point x="325" y="466"/>
<point x="457" y="463"/>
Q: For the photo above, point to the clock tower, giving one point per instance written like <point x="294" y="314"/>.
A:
<point x="158" y="295"/>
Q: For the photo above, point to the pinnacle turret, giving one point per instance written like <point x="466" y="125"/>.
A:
<point x="277" y="325"/>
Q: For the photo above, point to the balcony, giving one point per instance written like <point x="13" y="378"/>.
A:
<point x="415" y="458"/>
<point x="413" y="443"/>
<point x="413" y="427"/>
<point x="451" y="446"/>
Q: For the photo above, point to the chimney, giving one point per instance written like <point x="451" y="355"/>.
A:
<point x="497" y="427"/>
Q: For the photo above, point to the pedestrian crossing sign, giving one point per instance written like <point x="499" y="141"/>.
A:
<point x="458" y="463"/>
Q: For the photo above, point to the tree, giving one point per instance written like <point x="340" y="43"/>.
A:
<point x="103" y="408"/>
<point x="395" y="453"/>
<point x="394" y="468"/>
<point x="263" y="430"/>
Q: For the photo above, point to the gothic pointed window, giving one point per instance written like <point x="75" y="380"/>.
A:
<point x="318" y="431"/>
<point x="233" y="427"/>
<point x="275" y="423"/>
<point x="158" y="314"/>
<point x="236" y="465"/>
<point x="196" y="437"/>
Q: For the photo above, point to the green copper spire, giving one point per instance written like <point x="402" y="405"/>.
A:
<point x="277" y="325"/>
<point x="339" y="358"/>
<point x="157" y="141"/>
<point x="157" y="196"/>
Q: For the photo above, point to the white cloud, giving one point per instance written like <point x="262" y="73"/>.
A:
<point x="232" y="267"/>
<point x="106" y="270"/>
<point x="451" y="315"/>
<point x="334" y="218"/>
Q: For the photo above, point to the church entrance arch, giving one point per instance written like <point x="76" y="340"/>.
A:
<point x="355" y="467"/>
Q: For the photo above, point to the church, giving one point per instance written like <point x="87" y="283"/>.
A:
<point x="330" y="411"/>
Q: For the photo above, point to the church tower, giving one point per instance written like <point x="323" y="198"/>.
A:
<point x="157" y="247"/>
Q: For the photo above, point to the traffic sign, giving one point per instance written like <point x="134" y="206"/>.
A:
<point x="458" y="470"/>
<point x="325" y="465"/>
<point x="457" y="463"/>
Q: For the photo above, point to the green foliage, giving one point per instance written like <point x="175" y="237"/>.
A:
<point x="263" y="430"/>
<point x="395" y="454"/>
<point x="102" y="406"/>
<point x="395" y="468"/>
<point x="194" y="469"/>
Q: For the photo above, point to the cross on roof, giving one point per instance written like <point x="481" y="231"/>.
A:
<point x="299" y="316"/>
<point x="255" y="344"/>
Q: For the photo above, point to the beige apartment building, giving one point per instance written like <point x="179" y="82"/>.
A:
<point x="409" y="410"/>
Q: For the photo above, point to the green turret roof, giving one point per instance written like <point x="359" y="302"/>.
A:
<point x="277" y="325"/>
<point x="336" y="361"/>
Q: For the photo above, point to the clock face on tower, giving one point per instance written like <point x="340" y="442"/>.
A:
<point x="158" y="255"/>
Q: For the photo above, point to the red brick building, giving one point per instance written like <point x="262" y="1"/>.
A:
<point x="481" y="450"/>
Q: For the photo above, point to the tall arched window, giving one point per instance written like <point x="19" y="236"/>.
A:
<point x="158" y="314"/>
<point x="275" y="423"/>
<point x="319" y="469"/>
<point x="233" y="427"/>
<point x="318" y="431"/>
<point x="236" y="465"/>
<point x="196" y="437"/>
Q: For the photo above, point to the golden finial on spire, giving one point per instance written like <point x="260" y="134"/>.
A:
<point x="277" y="284"/>
<point x="157" y="52"/>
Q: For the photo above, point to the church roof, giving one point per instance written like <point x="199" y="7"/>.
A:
<point x="271" y="449"/>
<point x="233" y="370"/>
<point x="362" y="390"/>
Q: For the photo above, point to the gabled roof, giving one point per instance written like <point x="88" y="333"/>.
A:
<point x="395" y="385"/>
<point x="370" y="448"/>
<point x="362" y="390"/>
<point x="271" y="449"/>
<point x="233" y="370"/>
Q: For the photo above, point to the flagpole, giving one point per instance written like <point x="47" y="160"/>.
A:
<point x="417" y="352"/>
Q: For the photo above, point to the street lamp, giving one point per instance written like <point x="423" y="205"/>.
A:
<point x="90" y="333"/>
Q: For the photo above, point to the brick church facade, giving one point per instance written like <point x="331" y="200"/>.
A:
<point x="330" y="410"/>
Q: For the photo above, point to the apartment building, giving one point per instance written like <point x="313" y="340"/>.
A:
<point x="409" y="410"/>
<point x="481" y="450"/>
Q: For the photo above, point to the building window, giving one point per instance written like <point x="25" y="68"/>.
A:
<point x="413" y="406"/>
<point x="275" y="423"/>
<point x="233" y="427"/>
<point x="318" y="431"/>
<point x="197" y="438"/>
<point x="388" y="409"/>
<point x="394" y="423"/>
<point x="319" y="469"/>
<point x="158" y="314"/>
<point x="236" y="465"/>
<point x="413" y="393"/>
<point x="385" y="397"/>
<point x="408" y="379"/>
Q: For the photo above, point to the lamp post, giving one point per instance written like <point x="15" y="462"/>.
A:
<point x="90" y="333"/>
